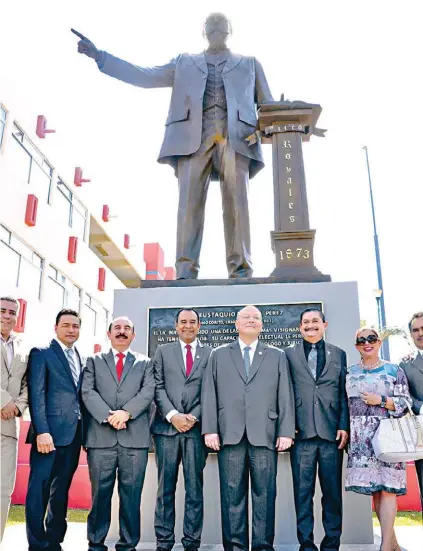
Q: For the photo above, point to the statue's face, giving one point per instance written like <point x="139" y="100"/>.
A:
<point x="217" y="32"/>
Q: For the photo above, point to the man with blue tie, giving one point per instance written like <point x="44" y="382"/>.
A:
<point x="54" y="378"/>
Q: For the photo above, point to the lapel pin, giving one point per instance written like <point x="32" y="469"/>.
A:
<point x="198" y="357"/>
<point x="260" y="353"/>
<point x="328" y="352"/>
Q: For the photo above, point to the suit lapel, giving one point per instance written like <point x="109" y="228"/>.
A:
<point x="418" y="362"/>
<point x="110" y="361"/>
<point x="328" y="359"/>
<point x="4" y="358"/>
<point x="129" y="362"/>
<point x="302" y="357"/>
<point x="257" y="360"/>
<point x="235" y="352"/>
<point x="232" y="61"/>
<point x="179" y="358"/>
<point x="61" y="355"/>
<point x="200" y="61"/>
<point x="198" y="355"/>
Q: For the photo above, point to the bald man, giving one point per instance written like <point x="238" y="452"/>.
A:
<point x="117" y="390"/>
<point x="248" y="416"/>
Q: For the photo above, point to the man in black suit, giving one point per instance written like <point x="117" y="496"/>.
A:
<point x="178" y="372"/>
<point x="54" y="378"/>
<point x="413" y="367"/>
<point x="248" y="416"/>
<point x="117" y="391"/>
<point x="318" y="372"/>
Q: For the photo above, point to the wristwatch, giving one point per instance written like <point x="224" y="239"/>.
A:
<point x="383" y="402"/>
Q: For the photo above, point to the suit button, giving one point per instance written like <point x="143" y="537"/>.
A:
<point x="75" y="411"/>
<point x="316" y="403"/>
<point x="317" y="388"/>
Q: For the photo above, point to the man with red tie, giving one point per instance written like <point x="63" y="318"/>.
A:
<point x="178" y="371"/>
<point x="117" y="390"/>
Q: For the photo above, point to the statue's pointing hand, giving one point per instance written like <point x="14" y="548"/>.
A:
<point x="86" y="47"/>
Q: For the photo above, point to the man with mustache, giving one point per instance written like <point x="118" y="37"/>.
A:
<point x="318" y="371"/>
<point x="117" y="390"/>
<point x="178" y="370"/>
<point x="413" y="367"/>
<point x="248" y="416"/>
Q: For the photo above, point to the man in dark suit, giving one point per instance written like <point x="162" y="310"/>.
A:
<point x="318" y="370"/>
<point x="117" y="390"/>
<point x="178" y="372"/>
<point x="248" y="416"/>
<point x="413" y="367"/>
<point x="54" y="377"/>
<point x="212" y="112"/>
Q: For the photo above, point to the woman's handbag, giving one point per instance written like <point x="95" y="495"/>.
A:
<point x="398" y="440"/>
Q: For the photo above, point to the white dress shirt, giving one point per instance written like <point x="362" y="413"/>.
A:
<point x="9" y="348"/>
<point x="252" y="346"/>
<point x="183" y="345"/>
<point x="116" y="352"/>
<point x="421" y="354"/>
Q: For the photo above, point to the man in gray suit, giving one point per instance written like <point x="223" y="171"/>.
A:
<point x="117" y="390"/>
<point x="413" y="367"/>
<point x="248" y="416"/>
<point x="212" y="112"/>
<point x="318" y="370"/>
<point x="178" y="372"/>
<point x="14" y="400"/>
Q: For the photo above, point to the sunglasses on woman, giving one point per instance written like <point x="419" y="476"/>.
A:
<point x="371" y="339"/>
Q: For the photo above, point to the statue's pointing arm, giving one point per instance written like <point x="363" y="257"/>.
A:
<point x="145" y="77"/>
<point x="263" y="93"/>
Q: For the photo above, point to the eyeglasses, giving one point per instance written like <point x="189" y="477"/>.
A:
<point x="371" y="339"/>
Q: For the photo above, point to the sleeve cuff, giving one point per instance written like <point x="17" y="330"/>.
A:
<point x="171" y="413"/>
<point x="101" y="59"/>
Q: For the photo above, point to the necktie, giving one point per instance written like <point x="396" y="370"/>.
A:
<point x="312" y="361"/>
<point x="247" y="361"/>
<point x="73" y="365"/>
<point x="119" y="365"/>
<point x="190" y="361"/>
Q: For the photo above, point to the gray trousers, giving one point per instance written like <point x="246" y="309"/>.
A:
<point x="170" y="452"/>
<point x="217" y="156"/>
<point x="130" y="465"/>
<point x="237" y="464"/>
<point x="9" y="447"/>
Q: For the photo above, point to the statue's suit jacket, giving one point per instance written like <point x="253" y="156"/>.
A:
<point x="14" y="386"/>
<point x="413" y="368"/>
<point x="262" y="406"/>
<point x="101" y="391"/>
<point x="321" y="407"/>
<point x="174" y="390"/>
<point x="245" y="87"/>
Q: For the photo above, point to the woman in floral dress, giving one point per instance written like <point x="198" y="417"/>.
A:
<point x="376" y="390"/>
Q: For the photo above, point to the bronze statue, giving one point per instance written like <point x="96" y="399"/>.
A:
<point x="212" y="112"/>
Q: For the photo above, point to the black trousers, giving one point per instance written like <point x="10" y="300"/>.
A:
<point x="215" y="155"/>
<point x="419" y="471"/>
<point x="48" y="488"/>
<point x="237" y="464"/>
<point x="309" y="457"/>
<point x="130" y="465"/>
<point x="170" y="452"/>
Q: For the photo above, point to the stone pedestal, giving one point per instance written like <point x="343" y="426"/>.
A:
<point x="292" y="240"/>
<point x="340" y="304"/>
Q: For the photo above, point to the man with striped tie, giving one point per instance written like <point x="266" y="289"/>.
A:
<point x="117" y="391"/>
<point x="178" y="372"/>
<point x="248" y="417"/>
<point x="54" y="378"/>
<point x="318" y="370"/>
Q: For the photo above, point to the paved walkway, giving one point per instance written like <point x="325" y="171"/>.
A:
<point x="409" y="537"/>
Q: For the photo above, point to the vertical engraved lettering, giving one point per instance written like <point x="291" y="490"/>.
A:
<point x="290" y="192"/>
<point x="289" y="180"/>
<point x="290" y="206"/>
<point x="287" y="144"/>
<point x="292" y="219"/>
<point x="281" y="255"/>
<point x="288" y="169"/>
<point x="288" y="156"/>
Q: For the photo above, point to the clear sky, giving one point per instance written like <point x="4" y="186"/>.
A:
<point x="360" y="60"/>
